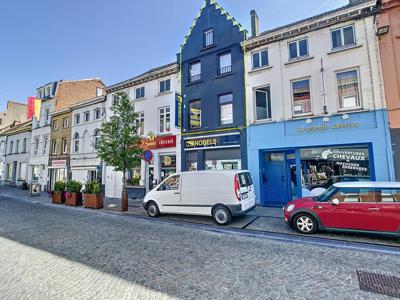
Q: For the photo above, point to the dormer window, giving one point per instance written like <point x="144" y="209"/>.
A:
<point x="208" y="37"/>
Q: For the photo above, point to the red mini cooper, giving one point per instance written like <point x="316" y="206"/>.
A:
<point x="348" y="206"/>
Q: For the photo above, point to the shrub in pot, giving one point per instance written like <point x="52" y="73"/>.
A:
<point x="73" y="196"/>
<point x="93" y="195"/>
<point x="58" y="196"/>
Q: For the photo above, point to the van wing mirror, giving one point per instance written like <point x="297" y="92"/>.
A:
<point x="335" y="202"/>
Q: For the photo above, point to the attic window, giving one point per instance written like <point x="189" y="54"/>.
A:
<point x="208" y="37"/>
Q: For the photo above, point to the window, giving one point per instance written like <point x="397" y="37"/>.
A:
<point x="115" y="99"/>
<point x="140" y="92"/>
<point x="48" y="90"/>
<point x="263" y="103"/>
<point x="64" y="146"/>
<point x="165" y="119"/>
<point x="343" y="37"/>
<point x="11" y="147"/>
<point x="77" y="118"/>
<point x="45" y="144"/>
<point x="348" y="90"/>
<point x="65" y="122"/>
<point x="17" y="147"/>
<point x="226" y="109"/>
<point x="298" y="49"/>
<point x="260" y="59"/>
<point x="55" y="124"/>
<point x="76" y="142"/>
<point x="47" y="116"/>
<point x="97" y="113"/>
<point x="22" y="171"/>
<point x="141" y="123"/>
<point x="165" y="85"/>
<point x="36" y="146"/>
<point x="35" y="172"/>
<point x="40" y="94"/>
<point x="96" y="136"/>
<point x="195" y="114"/>
<point x="225" y="63"/>
<point x="171" y="183"/>
<point x="24" y="145"/>
<point x="208" y="37"/>
<point x="86" y="116"/>
<point x="301" y="97"/>
<point x="54" y="147"/>
<point x="194" y="72"/>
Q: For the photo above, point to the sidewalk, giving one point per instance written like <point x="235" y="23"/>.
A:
<point x="261" y="219"/>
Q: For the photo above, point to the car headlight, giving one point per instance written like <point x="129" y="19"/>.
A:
<point x="290" y="207"/>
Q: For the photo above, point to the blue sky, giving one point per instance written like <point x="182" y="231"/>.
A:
<point x="47" y="40"/>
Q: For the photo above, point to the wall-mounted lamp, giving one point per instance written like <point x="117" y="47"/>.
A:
<point x="382" y="30"/>
<point x="345" y="116"/>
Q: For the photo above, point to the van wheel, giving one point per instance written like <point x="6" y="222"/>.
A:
<point x="152" y="209"/>
<point x="222" y="215"/>
<point x="305" y="223"/>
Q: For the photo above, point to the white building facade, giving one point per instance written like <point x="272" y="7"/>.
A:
<point x="153" y="95"/>
<point x="87" y="117"/>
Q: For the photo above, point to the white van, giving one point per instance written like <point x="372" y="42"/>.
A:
<point x="220" y="194"/>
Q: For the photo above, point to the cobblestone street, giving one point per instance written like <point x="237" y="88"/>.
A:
<point x="62" y="252"/>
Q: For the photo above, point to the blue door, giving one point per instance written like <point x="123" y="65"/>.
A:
<point x="275" y="180"/>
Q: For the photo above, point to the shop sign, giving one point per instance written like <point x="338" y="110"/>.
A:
<point x="62" y="163"/>
<point x="352" y="166"/>
<point x="217" y="141"/>
<point x="339" y="154"/>
<point x="178" y="110"/>
<point x="325" y="127"/>
<point x="156" y="142"/>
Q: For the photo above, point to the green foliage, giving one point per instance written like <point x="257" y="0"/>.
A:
<point x="73" y="186"/>
<point x="92" y="187"/>
<point x="119" y="143"/>
<point x="59" y="186"/>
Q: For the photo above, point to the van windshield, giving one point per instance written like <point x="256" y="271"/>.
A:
<point x="245" y="179"/>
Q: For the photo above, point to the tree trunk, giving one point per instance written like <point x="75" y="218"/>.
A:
<point x="124" y="196"/>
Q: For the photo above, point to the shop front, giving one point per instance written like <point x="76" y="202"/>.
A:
<point x="290" y="159"/>
<point x="213" y="152"/>
<point x="58" y="170"/>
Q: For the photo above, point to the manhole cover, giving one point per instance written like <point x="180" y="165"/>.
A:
<point x="378" y="283"/>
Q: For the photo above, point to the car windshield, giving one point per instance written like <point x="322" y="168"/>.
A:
<point x="325" y="196"/>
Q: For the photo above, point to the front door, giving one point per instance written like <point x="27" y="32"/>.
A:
<point x="274" y="180"/>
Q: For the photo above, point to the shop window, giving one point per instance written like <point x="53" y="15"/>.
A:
<point x="298" y="49"/>
<point x="343" y="37"/>
<point x="141" y="123"/>
<point x="263" y="103"/>
<point x="133" y="178"/>
<point x="226" y="109"/>
<point x="260" y="59"/>
<point x="35" y="172"/>
<point x="301" y="97"/>
<point x="194" y="72"/>
<point x="191" y="161"/>
<point x="165" y="85"/>
<point x="224" y="63"/>
<point x="223" y="159"/>
<point x="164" y="119"/>
<point x="22" y="171"/>
<point x="348" y="89"/>
<point x="195" y="114"/>
<point x="208" y="37"/>
<point x="168" y="165"/>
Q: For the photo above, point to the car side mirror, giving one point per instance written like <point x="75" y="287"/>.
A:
<point x="335" y="202"/>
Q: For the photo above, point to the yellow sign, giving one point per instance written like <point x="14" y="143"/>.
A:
<point x="199" y="143"/>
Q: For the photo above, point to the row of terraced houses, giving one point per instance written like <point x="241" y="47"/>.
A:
<point x="298" y="105"/>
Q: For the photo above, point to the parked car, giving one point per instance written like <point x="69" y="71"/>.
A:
<point x="220" y="194"/>
<point x="348" y="206"/>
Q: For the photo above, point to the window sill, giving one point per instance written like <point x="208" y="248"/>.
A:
<point x="224" y="75"/>
<point x="265" y="121"/>
<point x="139" y="99"/>
<point x="194" y="82"/>
<point x="303" y="116"/>
<point x="351" y="109"/>
<point x="208" y="47"/>
<point x="164" y="93"/>
<point x="260" y="69"/>
<point x="345" y="48"/>
<point x="300" y="59"/>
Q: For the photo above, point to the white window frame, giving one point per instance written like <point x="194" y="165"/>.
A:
<point x="140" y="96"/>
<point x="197" y="76"/>
<point x="86" y="113"/>
<point x="140" y="121"/>
<point x="95" y="112"/>
<point x="292" y="100"/>
<point x="298" y="49"/>
<point x="77" y="118"/>
<point x="164" y="113"/>
<point x="36" y="146"/>
<point x="65" y="122"/>
<point x="64" y="146"/>
<point x="54" y="147"/>
<point x="76" y="142"/>
<point x="359" y="90"/>
<point x="259" y="57"/>
<point x="255" y="102"/>
<point x="164" y="81"/>
<point x="55" y="125"/>
<point x="342" y="37"/>
<point x="45" y="144"/>
<point x="205" y="35"/>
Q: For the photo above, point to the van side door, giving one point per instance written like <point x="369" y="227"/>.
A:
<point x="168" y="194"/>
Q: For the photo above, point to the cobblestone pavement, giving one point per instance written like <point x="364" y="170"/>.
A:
<point x="61" y="252"/>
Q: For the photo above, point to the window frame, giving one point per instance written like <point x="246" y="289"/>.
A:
<point x="358" y="86"/>
<point x="65" y="122"/>
<point x="189" y="114"/>
<point x="17" y="146"/>
<point x="220" y="110"/>
<point x="298" y="57"/>
<point x="165" y="86"/>
<point x="228" y="68"/>
<point x="55" y="125"/>
<point x="76" y="142"/>
<point x="140" y="92"/>
<point x="36" y="146"/>
<point x="164" y="114"/>
<point x="77" y="118"/>
<point x="86" y="114"/>
<point x="64" y="146"/>
<point x="54" y="147"/>
<point x="260" y="59"/>
<point x="269" y="108"/>
<point x="292" y="99"/>
<point x="197" y="77"/>
<point x="140" y="120"/>
<point x="341" y="29"/>
<point x="95" y="112"/>
<point x="45" y="144"/>
<point x="208" y="30"/>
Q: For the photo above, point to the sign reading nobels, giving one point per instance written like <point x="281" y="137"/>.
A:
<point x="215" y="141"/>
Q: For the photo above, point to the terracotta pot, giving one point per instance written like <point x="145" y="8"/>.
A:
<point x="73" y="199"/>
<point x="94" y="201"/>
<point x="58" y="197"/>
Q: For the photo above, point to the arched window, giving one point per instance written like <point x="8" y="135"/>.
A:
<point x="96" y="136"/>
<point x="76" y="142"/>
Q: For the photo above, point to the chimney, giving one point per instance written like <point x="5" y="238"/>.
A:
<point x="255" y="30"/>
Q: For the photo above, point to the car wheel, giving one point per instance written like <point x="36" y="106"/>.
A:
<point x="152" y="209"/>
<point x="222" y="215"/>
<point x="305" y="223"/>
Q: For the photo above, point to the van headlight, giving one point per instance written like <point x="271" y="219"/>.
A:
<point x="290" y="207"/>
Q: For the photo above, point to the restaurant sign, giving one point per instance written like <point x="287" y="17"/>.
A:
<point x="157" y="142"/>
<point x="215" y="141"/>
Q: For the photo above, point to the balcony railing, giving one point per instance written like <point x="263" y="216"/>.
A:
<point x="194" y="78"/>
<point x="225" y="70"/>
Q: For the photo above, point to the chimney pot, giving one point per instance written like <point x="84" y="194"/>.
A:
<point x="255" y="28"/>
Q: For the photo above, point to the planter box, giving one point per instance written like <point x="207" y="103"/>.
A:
<point x="94" y="201"/>
<point x="58" y="197"/>
<point x="74" y="199"/>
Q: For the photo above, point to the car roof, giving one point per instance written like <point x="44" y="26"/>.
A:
<point x="368" y="184"/>
<point x="214" y="171"/>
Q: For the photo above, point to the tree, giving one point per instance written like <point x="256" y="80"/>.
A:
<point x="119" y="142"/>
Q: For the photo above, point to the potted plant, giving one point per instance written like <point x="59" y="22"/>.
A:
<point x="57" y="195"/>
<point x="73" y="196"/>
<point x="93" y="195"/>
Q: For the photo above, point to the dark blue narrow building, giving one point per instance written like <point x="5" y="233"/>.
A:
<point x="213" y="92"/>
